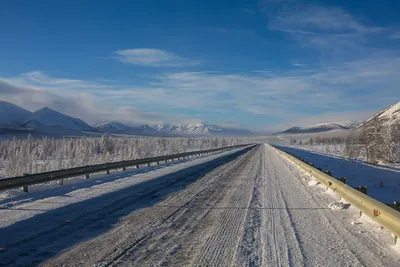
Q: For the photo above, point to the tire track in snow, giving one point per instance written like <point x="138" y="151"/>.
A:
<point x="251" y="248"/>
<point x="222" y="247"/>
<point x="171" y="224"/>
<point x="328" y="239"/>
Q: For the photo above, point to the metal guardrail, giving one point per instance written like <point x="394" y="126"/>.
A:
<point x="376" y="210"/>
<point x="29" y="179"/>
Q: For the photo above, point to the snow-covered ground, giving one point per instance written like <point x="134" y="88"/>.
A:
<point x="338" y="150"/>
<point x="383" y="182"/>
<point x="252" y="209"/>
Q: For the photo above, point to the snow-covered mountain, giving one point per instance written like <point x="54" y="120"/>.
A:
<point x="164" y="128"/>
<point x="112" y="126"/>
<point x="317" y="128"/>
<point x="47" y="121"/>
<point x="199" y="130"/>
<point x="387" y="116"/>
<point x="50" y="117"/>
<point x="12" y="115"/>
<point x="349" y="124"/>
<point x="119" y="128"/>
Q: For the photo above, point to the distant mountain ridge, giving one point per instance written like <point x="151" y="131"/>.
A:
<point x="47" y="121"/>
<point x="119" y="128"/>
<point x="200" y="130"/>
<point x="317" y="128"/>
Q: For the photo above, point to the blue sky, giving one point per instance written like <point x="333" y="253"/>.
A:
<point x="264" y="65"/>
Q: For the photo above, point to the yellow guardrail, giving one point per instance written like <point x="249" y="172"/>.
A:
<point x="376" y="210"/>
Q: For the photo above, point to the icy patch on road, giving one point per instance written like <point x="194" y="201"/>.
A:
<point x="337" y="206"/>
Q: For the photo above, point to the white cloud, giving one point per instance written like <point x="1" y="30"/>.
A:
<point x="298" y="64"/>
<point x="326" y="28"/>
<point x="395" y="35"/>
<point x="41" y="81"/>
<point x="272" y="94"/>
<point x="83" y="105"/>
<point x="249" y="11"/>
<point x="152" y="58"/>
<point x="261" y="110"/>
<point x="319" y="20"/>
<point x="367" y="85"/>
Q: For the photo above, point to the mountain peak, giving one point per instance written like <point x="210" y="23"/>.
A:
<point x="51" y="117"/>
<point x="12" y="114"/>
<point x="388" y="115"/>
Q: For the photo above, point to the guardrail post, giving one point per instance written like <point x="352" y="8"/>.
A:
<point x="148" y="164"/>
<point x="342" y="179"/>
<point x="166" y="161"/>
<point x="108" y="171"/>
<point x="158" y="163"/>
<point x="124" y="168"/>
<point x="25" y="187"/>
<point x="87" y="175"/>
<point x="61" y="182"/>
<point x="137" y="166"/>
<point x="395" y="239"/>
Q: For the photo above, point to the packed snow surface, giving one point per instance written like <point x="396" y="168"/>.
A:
<point x="337" y="205"/>
<point x="233" y="209"/>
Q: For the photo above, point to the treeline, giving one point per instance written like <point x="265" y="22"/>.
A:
<point x="32" y="155"/>
<point x="378" y="143"/>
<point x="319" y="141"/>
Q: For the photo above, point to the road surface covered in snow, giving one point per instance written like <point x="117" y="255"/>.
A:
<point x="243" y="208"/>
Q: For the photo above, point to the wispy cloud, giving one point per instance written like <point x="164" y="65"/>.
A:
<point x="326" y="28"/>
<point x="347" y="86"/>
<point x="298" y="64"/>
<point x="395" y="35"/>
<point x="42" y="81"/>
<point x="29" y="90"/>
<point x="152" y="58"/>
<point x="320" y="20"/>
<point x="249" y="11"/>
<point x="282" y="97"/>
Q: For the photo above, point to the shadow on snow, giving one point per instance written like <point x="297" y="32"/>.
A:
<point x="37" y="239"/>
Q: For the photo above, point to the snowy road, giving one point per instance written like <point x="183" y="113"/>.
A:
<point x="236" y="209"/>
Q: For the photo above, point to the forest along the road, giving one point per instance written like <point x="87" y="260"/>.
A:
<point x="253" y="210"/>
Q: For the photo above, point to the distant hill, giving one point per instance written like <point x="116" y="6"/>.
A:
<point x="12" y="115"/>
<point x="388" y="116"/>
<point x="317" y="128"/>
